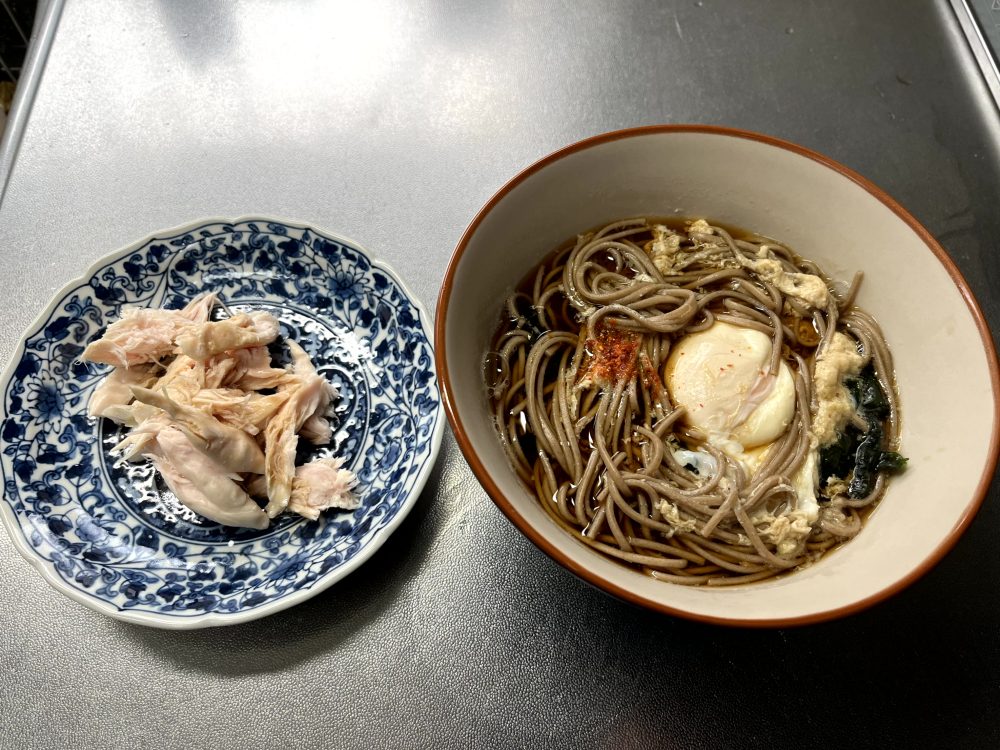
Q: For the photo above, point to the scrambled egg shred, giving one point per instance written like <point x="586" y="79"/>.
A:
<point x="835" y="406"/>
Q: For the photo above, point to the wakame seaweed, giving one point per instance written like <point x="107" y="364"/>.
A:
<point x="838" y="458"/>
<point x="862" y="452"/>
<point x="868" y="394"/>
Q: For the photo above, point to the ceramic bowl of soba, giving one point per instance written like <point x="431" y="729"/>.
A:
<point x="718" y="375"/>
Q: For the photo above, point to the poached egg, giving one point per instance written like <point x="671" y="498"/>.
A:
<point x="720" y="376"/>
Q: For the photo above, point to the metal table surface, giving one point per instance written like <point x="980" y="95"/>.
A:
<point x="392" y="123"/>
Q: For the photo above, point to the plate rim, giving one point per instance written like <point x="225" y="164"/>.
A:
<point x="215" y="619"/>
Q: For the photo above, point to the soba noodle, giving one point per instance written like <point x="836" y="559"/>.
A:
<point x="577" y="380"/>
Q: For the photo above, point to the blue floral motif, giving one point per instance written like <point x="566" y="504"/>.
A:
<point x="346" y="284"/>
<point x="47" y="399"/>
<point x="111" y="533"/>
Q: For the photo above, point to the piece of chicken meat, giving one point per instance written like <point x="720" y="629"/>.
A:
<point x="228" y="446"/>
<point x="320" y="484"/>
<point x="146" y="334"/>
<point x="206" y="340"/>
<point x="203" y="485"/>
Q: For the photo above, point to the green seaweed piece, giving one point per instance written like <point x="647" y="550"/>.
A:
<point x="838" y="458"/>
<point x="859" y="455"/>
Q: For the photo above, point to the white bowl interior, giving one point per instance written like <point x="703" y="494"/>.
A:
<point x="947" y="401"/>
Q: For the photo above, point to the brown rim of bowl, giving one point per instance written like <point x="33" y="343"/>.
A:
<point x="587" y="575"/>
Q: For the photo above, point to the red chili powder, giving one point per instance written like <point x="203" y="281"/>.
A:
<point x="613" y="354"/>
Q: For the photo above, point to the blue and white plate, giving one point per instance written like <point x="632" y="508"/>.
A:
<point x="111" y="537"/>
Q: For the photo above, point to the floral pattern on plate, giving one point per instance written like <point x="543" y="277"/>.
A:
<point x="112" y="536"/>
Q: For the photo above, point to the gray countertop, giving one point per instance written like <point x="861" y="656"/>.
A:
<point x="392" y="123"/>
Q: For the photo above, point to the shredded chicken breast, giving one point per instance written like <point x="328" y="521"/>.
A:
<point x="147" y="335"/>
<point x="191" y="390"/>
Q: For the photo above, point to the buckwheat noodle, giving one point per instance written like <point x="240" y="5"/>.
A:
<point x="599" y="456"/>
